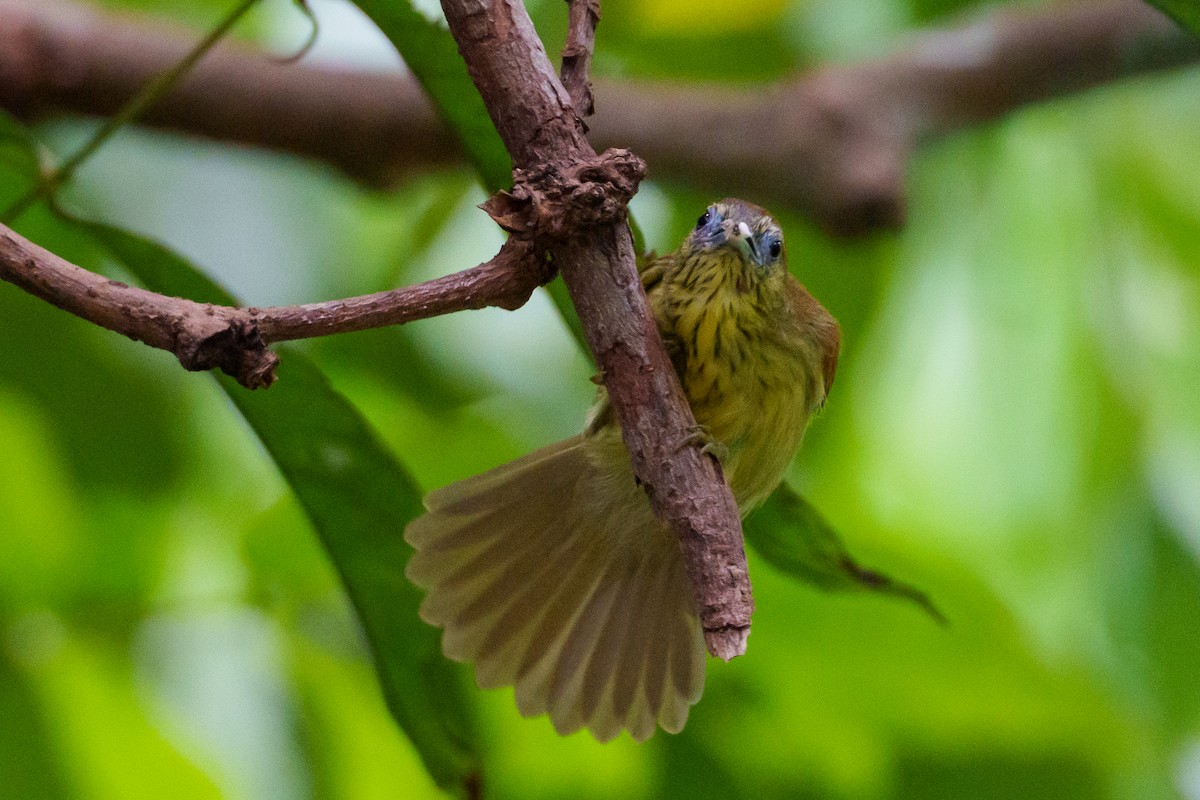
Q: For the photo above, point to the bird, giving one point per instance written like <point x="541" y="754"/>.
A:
<point x="553" y="575"/>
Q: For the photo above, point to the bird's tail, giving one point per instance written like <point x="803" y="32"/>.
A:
<point x="552" y="575"/>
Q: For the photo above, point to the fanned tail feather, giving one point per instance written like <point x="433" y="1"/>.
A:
<point x="552" y="575"/>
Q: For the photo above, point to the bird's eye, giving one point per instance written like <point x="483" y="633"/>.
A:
<point x="704" y="218"/>
<point x="776" y="248"/>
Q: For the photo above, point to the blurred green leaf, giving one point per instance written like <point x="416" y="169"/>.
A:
<point x="68" y="364"/>
<point x="351" y="753"/>
<point x="432" y="54"/>
<point x="194" y="12"/>
<point x="40" y="523"/>
<point x="28" y="767"/>
<point x="793" y="537"/>
<point x="18" y="154"/>
<point x="104" y="730"/>
<point x="704" y="42"/>
<point x="691" y="773"/>
<point x="359" y="498"/>
<point x="73" y="373"/>
<point x="1046" y="776"/>
<point x="927" y="12"/>
<point x="1174" y="649"/>
<point x="1185" y="12"/>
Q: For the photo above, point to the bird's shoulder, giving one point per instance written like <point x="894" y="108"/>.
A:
<point x="816" y="324"/>
<point x="652" y="268"/>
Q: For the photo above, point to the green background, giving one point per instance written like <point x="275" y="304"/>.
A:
<point x="1015" y="430"/>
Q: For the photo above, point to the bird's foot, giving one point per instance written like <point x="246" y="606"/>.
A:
<point x="698" y="436"/>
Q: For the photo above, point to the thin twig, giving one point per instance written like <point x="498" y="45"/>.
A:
<point x="582" y="19"/>
<point x="235" y="340"/>
<point x="310" y="41"/>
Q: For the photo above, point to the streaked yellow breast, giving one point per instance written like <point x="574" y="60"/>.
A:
<point x="750" y="374"/>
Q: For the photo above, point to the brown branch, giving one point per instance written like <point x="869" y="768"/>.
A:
<point x="235" y="340"/>
<point x="582" y="19"/>
<point x="833" y="143"/>
<point x="576" y="200"/>
<point x="201" y="336"/>
<point x="505" y="282"/>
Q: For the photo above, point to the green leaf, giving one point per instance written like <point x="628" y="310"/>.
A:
<point x="432" y="54"/>
<point x="29" y="767"/>
<point x="1185" y="12"/>
<point x="794" y="538"/>
<point x="690" y="772"/>
<point x="50" y="372"/>
<point x="18" y="158"/>
<point x="359" y="498"/>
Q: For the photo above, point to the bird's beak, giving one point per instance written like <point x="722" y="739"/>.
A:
<point x="740" y="237"/>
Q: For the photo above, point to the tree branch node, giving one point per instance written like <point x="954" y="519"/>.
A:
<point x="551" y="203"/>
<point x="235" y="345"/>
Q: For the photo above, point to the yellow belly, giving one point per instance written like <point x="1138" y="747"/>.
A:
<point x="760" y="427"/>
<point x="753" y="392"/>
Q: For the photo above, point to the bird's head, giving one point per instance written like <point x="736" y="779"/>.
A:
<point x="735" y="227"/>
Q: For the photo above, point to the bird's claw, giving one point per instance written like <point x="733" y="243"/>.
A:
<point x="698" y="436"/>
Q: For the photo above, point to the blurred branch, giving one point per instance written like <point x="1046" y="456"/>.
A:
<point x="145" y="97"/>
<point x="582" y="19"/>
<point x="833" y="143"/>
<point x="63" y="57"/>
<point x="235" y="340"/>
<point x="574" y="201"/>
